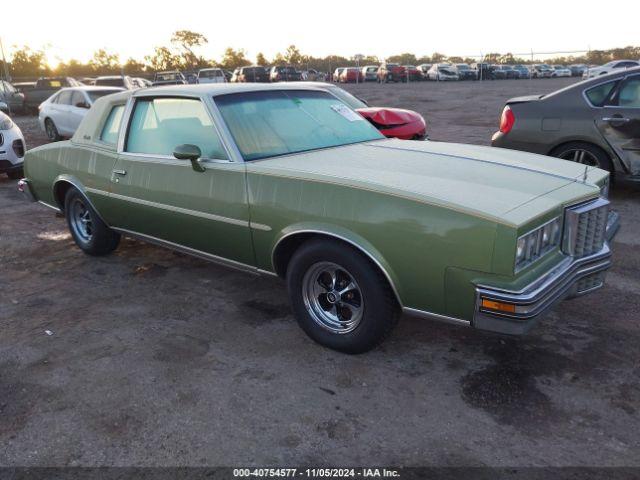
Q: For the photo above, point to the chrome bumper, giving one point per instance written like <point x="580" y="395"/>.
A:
<point x="25" y="187"/>
<point x="573" y="277"/>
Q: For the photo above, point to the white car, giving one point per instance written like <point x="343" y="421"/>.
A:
<point x="560" y="71"/>
<point x="442" y="72"/>
<point x="60" y="114"/>
<point x="610" y="67"/>
<point x="12" y="148"/>
<point x="124" y="81"/>
<point x="211" y="75"/>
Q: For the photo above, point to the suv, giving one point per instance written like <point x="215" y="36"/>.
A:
<point x="283" y="73"/>
<point x="252" y="74"/>
<point x="173" y="77"/>
<point x="391" y="72"/>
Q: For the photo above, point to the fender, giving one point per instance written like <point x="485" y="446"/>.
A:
<point x="73" y="181"/>
<point x="346" y="236"/>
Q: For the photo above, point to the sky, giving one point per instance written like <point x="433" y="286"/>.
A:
<point x="75" y="28"/>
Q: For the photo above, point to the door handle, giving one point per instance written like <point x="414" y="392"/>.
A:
<point x="616" y="119"/>
<point x="120" y="172"/>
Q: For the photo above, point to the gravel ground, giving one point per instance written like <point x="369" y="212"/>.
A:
<point x="156" y="358"/>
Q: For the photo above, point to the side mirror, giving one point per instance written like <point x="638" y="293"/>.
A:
<point x="189" y="152"/>
<point x="83" y="105"/>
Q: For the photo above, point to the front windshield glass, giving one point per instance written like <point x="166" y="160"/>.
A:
<point x="347" y="98"/>
<point x="271" y="123"/>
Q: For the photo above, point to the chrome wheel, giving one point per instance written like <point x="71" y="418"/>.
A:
<point x="332" y="297"/>
<point x="80" y="220"/>
<point x="579" y="155"/>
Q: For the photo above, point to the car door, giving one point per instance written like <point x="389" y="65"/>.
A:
<point x="201" y="206"/>
<point x="619" y="122"/>
<point x="60" y="111"/>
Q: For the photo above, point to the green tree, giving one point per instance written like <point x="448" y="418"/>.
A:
<point x="187" y="41"/>
<point x="261" y="60"/>
<point x="234" y="58"/>
<point x="403" y="59"/>
<point x="162" y="59"/>
<point x="104" y="62"/>
<point x="26" y="62"/>
<point x="133" y="66"/>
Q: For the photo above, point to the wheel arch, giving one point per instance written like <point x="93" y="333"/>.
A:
<point x="290" y="240"/>
<point x="61" y="186"/>
<point x="613" y="157"/>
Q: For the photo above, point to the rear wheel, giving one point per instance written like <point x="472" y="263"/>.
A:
<point x="52" y="131"/>
<point x="585" y="154"/>
<point x="89" y="232"/>
<point x="340" y="299"/>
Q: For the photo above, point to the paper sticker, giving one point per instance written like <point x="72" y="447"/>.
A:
<point x="346" y="112"/>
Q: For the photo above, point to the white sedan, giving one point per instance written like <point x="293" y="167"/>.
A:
<point x="560" y="71"/>
<point x="12" y="148"/>
<point x="610" y="67"/>
<point x="60" y="114"/>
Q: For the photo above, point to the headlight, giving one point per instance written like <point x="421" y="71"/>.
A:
<point x="5" y="122"/>
<point x="535" y="244"/>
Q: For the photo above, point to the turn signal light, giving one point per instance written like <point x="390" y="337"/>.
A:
<point x="499" y="306"/>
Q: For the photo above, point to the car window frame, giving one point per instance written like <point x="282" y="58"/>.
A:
<point x="616" y="91"/>
<point x="103" y="124"/>
<point x="61" y="93"/>
<point x="212" y="112"/>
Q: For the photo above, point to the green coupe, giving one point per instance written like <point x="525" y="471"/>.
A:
<point x="287" y="180"/>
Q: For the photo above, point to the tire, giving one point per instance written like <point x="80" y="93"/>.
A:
<point x="16" y="174"/>
<point x="362" y="317"/>
<point x="51" y="130"/>
<point x="593" y="155"/>
<point x="88" y="230"/>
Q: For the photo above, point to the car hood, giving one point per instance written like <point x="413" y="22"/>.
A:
<point x="389" y="116"/>
<point x="483" y="181"/>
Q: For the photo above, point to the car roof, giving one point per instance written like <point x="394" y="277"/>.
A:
<point x="92" y="88"/>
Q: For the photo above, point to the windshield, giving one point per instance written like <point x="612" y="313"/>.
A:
<point x="270" y="123"/>
<point x="210" y="73"/>
<point x="347" y="98"/>
<point x="96" y="94"/>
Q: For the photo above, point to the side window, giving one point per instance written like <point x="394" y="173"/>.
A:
<point x="629" y="93"/>
<point x="78" y="97"/>
<point x="159" y="125"/>
<point x="111" y="127"/>
<point x="64" y="98"/>
<point x="598" y="95"/>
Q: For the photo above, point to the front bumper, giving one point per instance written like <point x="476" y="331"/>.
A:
<point x="571" y="278"/>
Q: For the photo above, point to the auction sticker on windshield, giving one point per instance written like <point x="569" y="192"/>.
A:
<point x="346" y="112"/>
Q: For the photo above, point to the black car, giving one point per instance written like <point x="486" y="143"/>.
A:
<point x="465" y="72"/>
<point x="252" y="74"/>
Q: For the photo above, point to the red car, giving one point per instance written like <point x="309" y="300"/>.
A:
<point x="396" y="122"/>
<point x="351" y="75"/>
<point x="392" y="122"/>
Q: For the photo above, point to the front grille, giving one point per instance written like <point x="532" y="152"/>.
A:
<point x="585" y="228"/>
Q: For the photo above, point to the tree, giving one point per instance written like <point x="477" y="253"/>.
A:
<point x="187" y="40"/>
<point x="261" y="60"/>
<point x="28" y="63"/>
<point x="162" y="59"/>
<point x="133" y="66"/>
<point x="403" y="59"/>
<point x="234" y="58"/>
<point x="105" y="62"/>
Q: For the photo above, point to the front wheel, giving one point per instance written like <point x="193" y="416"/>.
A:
<point x="52" y="131"/>
<point x="88" y="230"/>
<point x="340" y="299"/>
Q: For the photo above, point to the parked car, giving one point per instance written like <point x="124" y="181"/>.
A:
<point x="560" y="71"/>
<point x="173" y="77"/>
<point x="282" y="73"/>
<point x="522" y="71"/>
<point x="44" y="88"/>
<point x="227" y="75"/>
<point x="87" y="81"/>
<point x="60" y="115"/>
<point x="391" y="72"/>
<point x="361" y="227"/>
<point x="370" y="73"/>
<point x="465" y="72"/>
<point x="23" y="87"/>
<point x="392" y="122"/>
<point x="541" y="70"/>
<point x="312" y="75"/>
<point x="12" y="148"/>
<point x="11" y="97"/>
<point x="595" y="123"/>
<point x="442" y="72"/>
<point x="142" y="82"/>
<point x="577" y="69"/>
<point x="484" y="71"/>
<point x="411" y="73"/>
<point x="251" y="74"/>
<point x="122" y="81"/>
<point x="351" y="75"/>
<point x="424" y="69"/>
<point x="609" y="68"/>
<point x="498" y="72"/>
<point x="211" y="75"/>
<point x="508" y="72"/>
<point x="336" y="74"/>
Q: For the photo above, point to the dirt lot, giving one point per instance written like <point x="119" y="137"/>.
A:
<point x="156" y="358"/>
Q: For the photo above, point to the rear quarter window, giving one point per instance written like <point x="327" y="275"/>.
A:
<point x="111" y="127"/>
